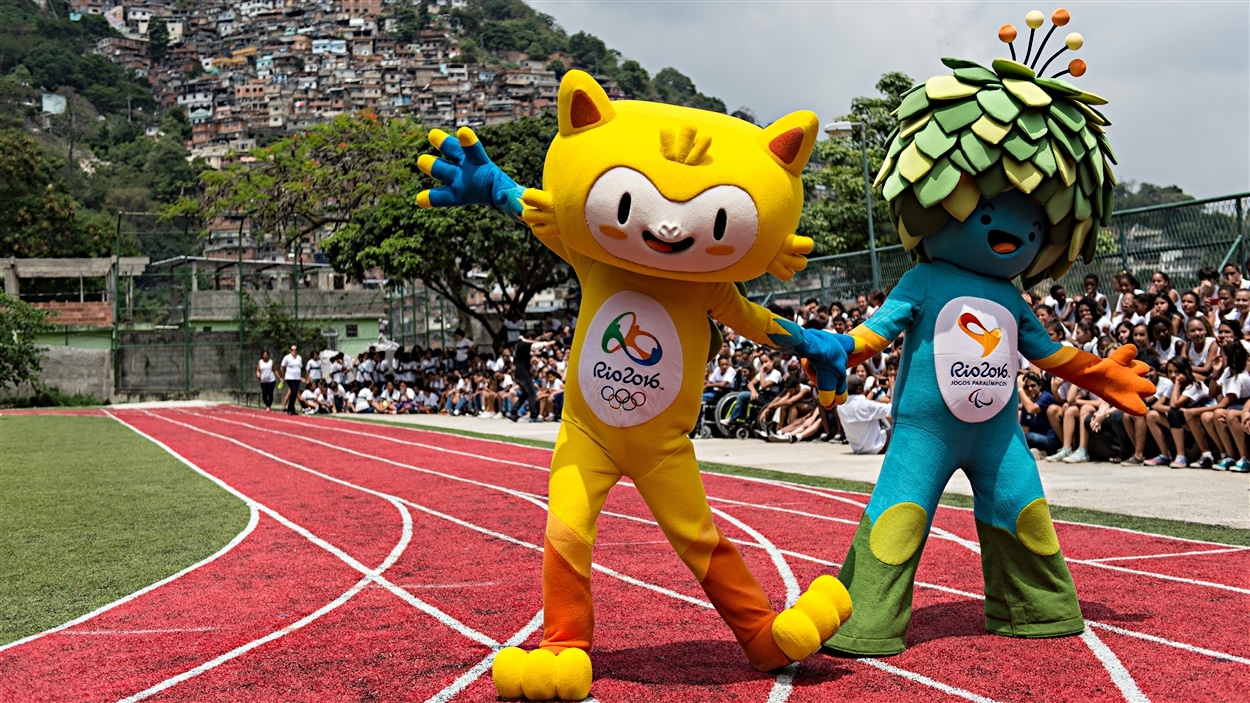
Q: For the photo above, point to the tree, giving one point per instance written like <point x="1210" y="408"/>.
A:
<point x="634" y="79"/>
<point x="834" y="211"/>
<point x="589" y="50"/>
<point x="745" y="114"/>
<point x="158" y="39"/>
<point x="1129" y="195"/>
<point x="20" y="357"/>
<point x="38" y="218"/>
<point x="557" y="66"/>
<point x="456" y="250"/>
<point x="166" y="170"/>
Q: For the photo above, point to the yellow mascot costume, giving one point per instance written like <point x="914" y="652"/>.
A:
<point x="658" y="209"/>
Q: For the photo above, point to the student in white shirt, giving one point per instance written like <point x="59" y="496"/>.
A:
<point x="1223" y="421"/>
<point x="364" y="401"/>
<point x="292" y="373"/>
<point x="1200" y="347"/>
<point x="308" y="400"/>
<point x="264" y="374"/>
<point x="314" y="367"/>
<point x="1136" y="427"/>
<point x="864" y="422"/>
<point x="721" y="379"/>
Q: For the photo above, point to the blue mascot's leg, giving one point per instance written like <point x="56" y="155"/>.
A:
<point x="880" y="567"/>
<point x="1028" y="589"/>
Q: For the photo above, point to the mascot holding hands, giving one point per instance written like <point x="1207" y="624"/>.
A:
<point x="659" y="210"/>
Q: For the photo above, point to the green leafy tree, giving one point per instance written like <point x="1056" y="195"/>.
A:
<point x="1130" y="194"/>
<point x="37" y="217"/>
<point x="166" y="170"/>
<point x="835" y="214"/>
<point x="589" y="50"/>
<point x="158" y="39"/>
<point x="557" y="66"/>
<point x="21" y="358"/>
<point x="634" y="79"/>
<point x="456" y="250"/>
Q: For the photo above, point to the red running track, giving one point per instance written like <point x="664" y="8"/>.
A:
<point x="388" y="563"/>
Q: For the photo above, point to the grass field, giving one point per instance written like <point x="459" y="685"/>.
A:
<point x="91" y="511"/>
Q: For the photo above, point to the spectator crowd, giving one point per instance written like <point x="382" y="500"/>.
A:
<point x="1195" y="342"/>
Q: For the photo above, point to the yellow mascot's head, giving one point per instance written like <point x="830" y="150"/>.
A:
<point x="677" y="192"/>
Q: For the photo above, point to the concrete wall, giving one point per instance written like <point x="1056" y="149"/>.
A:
<point x="73" y="371"/>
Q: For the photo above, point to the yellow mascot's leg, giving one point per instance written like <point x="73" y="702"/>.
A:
<point x="674" y="492"/>
<point x="581" y="477"/>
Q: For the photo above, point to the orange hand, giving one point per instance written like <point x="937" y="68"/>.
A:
<point x="1118" y="379"/>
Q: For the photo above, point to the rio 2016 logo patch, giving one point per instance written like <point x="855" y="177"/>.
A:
<point x="630" y="365"/>
<point x="974" y="358"/>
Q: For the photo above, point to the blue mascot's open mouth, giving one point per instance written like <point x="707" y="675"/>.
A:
<point x="1004" y="242"/>
<point x="666" y="247"/>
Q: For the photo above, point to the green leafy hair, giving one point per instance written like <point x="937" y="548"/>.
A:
<point x="980" y="132"/>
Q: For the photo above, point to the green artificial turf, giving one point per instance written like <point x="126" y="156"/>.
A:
<point x="1170" y="528"/>
<point x="90" y="512"/>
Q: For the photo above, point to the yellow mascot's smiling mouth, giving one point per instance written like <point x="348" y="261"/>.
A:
<point x="666" y="247"/>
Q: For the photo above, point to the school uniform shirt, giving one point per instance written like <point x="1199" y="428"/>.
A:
<point x="308" y="396"/>
<point x="1065" y="312"/>
<point x="1163" y="389"/>
<point x="292" y="367"/>
<point x="729" y="376"/>
<point x="514" y="330"/>
<point x="336" y="372"/>
<point x="266" y="372"/>
<point x="365" y="370"/>
<point x="1168" y="352"/>
<point x="462" y="349"/>
<point x="314" y="369"/>
<point x="862" y="423"/>
<point x="1202" y="355"/>
<point x="363" y="398"/>
<point x="1236" y="385"/>
<point x="1197" y="393"/>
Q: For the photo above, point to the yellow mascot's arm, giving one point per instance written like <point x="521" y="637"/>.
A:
<point x="540" y="215"/>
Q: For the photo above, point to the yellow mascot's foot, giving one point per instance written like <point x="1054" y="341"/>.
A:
<point x="815" y="616"/>
<point x="542" y="675"/>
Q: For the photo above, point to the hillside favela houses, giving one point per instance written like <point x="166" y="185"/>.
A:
<point x="244" y="72"/>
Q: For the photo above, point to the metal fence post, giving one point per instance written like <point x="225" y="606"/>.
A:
<point x="186" y="325"/>
<point x="1241" y="230"/>
<point x="117" y="335"/>
<point x="238" y="283"/>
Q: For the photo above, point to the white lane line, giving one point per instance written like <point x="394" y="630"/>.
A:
<point x="468" y="677"/>
<point x="252" y="520"/>
<point x="779" y="560"/>
<point x="1152" y="638"/>
<point x="802" y="488"/>
<point x="1225" y="656"/>
<point x="1120" y="676"/>
<point x="920" y="678"/>
<point x="1170" y="554"/>
<point x="1164" y="577"/>
<point x="346" y="558"/>
<point x="172" y="630"/>
<point x="239" y="651"/>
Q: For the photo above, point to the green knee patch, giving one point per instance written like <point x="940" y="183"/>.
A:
<point x="898" y="533"/>
<point x="1035" y="530"/>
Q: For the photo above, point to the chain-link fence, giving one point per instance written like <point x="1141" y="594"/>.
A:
<point x="1177" y="239"/>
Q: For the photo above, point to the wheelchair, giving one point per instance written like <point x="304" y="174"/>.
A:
<point x="753" y="421"/>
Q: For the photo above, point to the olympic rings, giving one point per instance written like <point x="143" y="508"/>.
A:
<point x="622" y="399"/>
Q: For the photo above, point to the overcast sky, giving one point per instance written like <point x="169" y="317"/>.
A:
<point x="1177" y="73"/>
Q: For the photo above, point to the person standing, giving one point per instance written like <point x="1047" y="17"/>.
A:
<point x="292" y="370"/>
<point x="264" y="374"/>
<point x="526" y="385"/>
<point x="314" y="367"/>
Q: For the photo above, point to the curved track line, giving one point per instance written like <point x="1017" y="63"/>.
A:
<point x="781" y="685"/>
<point x="467" y="678"/>
<point x="252" y="520"/>
<point x="1152" y="638"/>
<point x="347" y="595"/>
<point x="1120" y="676"/>
<point x="785" y="484"/>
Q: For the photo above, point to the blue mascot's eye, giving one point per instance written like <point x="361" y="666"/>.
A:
<point x="718" y="229"/>
<point x="622" y="210"/>
<point x="985" y="219"/>
<point x="1032" y="236"/>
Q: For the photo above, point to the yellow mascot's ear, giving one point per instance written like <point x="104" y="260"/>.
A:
<point x="583" y="105"/>
<point x="789" y="140"/>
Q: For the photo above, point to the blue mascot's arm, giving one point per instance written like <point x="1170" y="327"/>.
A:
<point x="468" y="175"/>
<point x="824" y="353"/>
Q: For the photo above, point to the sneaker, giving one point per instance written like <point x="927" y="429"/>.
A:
<point x="1161" y="460"/>
<point x="1224" y="464"/>
<point x="1132" y="461"/>
<point x="780" y="437"/>
<point x="1060" y="455"/>
<point x="1180" y="462"/>
<point x="1206" y="461"/>
<point x="1080" y="456"/>
<point x="1241" y="467"/>
<point x="1038" y="455"/>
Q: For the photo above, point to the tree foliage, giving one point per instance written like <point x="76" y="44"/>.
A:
<point x="370" y="166"/>
<point x="20" y="357"/>
<point x="38" y="218"/>
<point x="158" y="39"/>
<point x="834" y="212"/>
<point x="1130" y="194"/>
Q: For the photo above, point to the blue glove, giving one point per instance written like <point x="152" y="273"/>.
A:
<point x="824" y="357"/>
<point x="468" y="175"/>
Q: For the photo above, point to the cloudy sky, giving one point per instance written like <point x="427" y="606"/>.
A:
<point x="1177" y="73"/>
